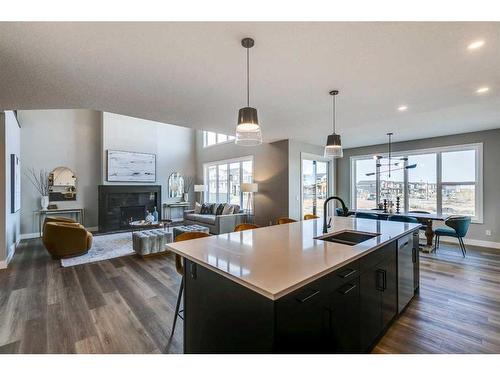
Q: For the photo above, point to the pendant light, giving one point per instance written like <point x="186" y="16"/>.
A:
<point x="248" y="130"/>
<point x="333" y="146"/>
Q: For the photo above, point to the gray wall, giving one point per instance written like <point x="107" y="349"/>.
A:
<point x="53" y="138"/>
<point x="10" y="144"/>
<point x="491" y="175"/>
<point x="79" y="139"/>
<point x="174" y="147"/>
<point x="270" y="172"/>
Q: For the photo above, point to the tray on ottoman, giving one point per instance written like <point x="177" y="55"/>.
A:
<point x="190" y="228"/>
<point x="151" y="242"/>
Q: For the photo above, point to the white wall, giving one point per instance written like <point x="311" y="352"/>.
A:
<point x="173" y="145"/>
<point x="54" y="138"/>
<point x="10" y="144"/>
<point x="295" y="150"/>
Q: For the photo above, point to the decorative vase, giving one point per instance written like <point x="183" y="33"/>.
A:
<point x="44" y="202"/>
<point x="149" y="217"/>
<point x="185" y="197"/>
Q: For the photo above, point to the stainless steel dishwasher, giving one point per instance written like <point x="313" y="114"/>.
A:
<point x="407" y="261"/>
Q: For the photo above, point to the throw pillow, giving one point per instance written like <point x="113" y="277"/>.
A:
<point x="197" y="208"/>
<point x="228" y="209"/>
<point x="214" y="208"/>
<point x="236" y="209"/>
<point x="219" y="210"/>
<point x="206" y="209"/>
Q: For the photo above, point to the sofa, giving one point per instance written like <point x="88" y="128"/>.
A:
<point x="65" y="238"/>
<point x="217" y="224"/>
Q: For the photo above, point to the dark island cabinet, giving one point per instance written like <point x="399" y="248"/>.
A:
<point x="343" y="332"/>
<point x="378" y="298"/>
<point x="345" y="311"/>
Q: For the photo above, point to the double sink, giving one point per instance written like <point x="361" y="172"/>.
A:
<point x="348" y="237"/>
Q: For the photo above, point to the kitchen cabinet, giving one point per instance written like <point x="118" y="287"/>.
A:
<point x="378" y="296"/>
<point x="343" y="334"/>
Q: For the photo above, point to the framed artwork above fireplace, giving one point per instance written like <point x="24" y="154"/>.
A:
<point x="125" y="166"/>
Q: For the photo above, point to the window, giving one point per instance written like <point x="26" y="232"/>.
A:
<point x="315" y="185"/>
<point x="422" y="193"/>
<point x="447" y="180"/>
<point x="458" y="182"/>
<point x="224" y="179"/>
<point x="211" y="138"/>
<point x="365" y="186"/>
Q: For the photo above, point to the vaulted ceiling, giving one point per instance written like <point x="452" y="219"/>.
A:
<point x="193" y="74"/>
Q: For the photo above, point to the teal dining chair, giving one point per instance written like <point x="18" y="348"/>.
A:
<point x="366" y="215"/>
<point x="403" y="219"/>
<point x="458" y="227"/>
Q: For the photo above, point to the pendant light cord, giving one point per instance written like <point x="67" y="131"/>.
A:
<point x="248" y="77"/>
<point x="334" y="107"/>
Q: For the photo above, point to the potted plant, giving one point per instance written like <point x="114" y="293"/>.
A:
<point x="40" y="180"/>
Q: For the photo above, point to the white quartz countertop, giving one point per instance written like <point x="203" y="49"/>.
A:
<point x="276" y="260"/>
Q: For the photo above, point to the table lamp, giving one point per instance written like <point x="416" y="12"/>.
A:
<point x="199" y="189"/>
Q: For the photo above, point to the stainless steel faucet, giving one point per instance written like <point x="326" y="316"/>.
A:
<point x="344" y="209"/>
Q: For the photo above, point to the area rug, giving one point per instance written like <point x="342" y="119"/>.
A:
<point x="104" y="247"/>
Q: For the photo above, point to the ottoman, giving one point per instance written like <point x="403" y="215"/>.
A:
<point x="150" y="242"/>
<point x="190" y="228"/>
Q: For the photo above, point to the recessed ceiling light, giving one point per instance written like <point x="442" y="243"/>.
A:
<point x="482" y="90"/>
<point x="475" y="45"/>
<point x="402" y="108"/>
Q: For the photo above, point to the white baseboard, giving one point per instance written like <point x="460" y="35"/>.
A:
<point x="473" y="242"/>
<point x="12" y="251"/>
<point x="29" y="236"/>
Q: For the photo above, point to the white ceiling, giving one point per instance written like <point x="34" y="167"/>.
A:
<point x="193" y="74"/>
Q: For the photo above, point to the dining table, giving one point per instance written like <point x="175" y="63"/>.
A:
<point x="426" y="219"/>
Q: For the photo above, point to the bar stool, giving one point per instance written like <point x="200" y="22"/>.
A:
<point x="285" y="220"/>
<point x="179" y="266"/>
<point x="245" y="226"/>
<point x="310" y="216"/>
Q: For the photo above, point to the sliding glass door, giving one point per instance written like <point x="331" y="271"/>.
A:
<point x="315" y="185"/>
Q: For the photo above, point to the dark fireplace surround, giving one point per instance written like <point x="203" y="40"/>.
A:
<point x="120" y="204"/>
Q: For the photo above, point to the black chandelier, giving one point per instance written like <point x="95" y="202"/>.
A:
<point x="392" y="166"/>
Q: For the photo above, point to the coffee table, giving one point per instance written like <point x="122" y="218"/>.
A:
<point x="190" y="228"/>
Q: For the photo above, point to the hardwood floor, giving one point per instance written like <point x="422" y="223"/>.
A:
<point x="123" y="305"/>
<point x="458" y="309"/>
<point x="126" y="305"/>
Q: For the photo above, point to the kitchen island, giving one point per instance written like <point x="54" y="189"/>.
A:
<point x="288" y="288"/>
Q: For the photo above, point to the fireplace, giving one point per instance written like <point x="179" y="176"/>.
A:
<point x="131" y="213"/>
<point x="120" y="204"/>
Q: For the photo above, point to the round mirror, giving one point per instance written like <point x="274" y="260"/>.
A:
<point x="62" y="185"/>
<point x="175" y="185"/>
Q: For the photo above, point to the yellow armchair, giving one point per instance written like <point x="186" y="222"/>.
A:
<point x="66" y="240"/>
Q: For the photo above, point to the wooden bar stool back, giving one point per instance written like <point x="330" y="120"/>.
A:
<point x="285" y="220"/>
<point x="245" y="226"/>
<point x="310" y="216"/>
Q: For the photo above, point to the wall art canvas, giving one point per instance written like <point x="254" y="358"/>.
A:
<point x="124" y="166"/>
<point x="15" y="183"/>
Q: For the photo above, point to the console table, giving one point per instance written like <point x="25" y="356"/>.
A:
<point x="79" y="212"/>
<point x="175" y="211"/>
